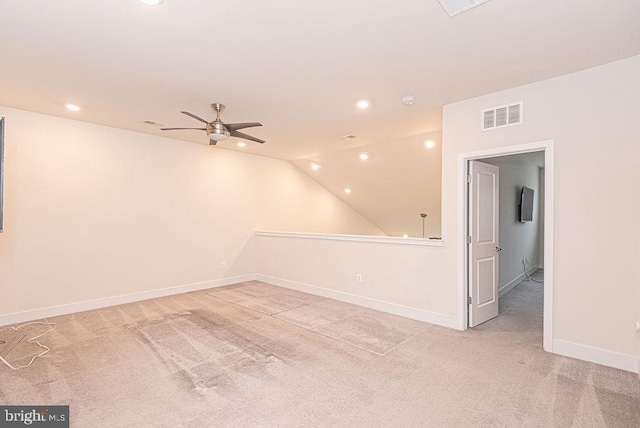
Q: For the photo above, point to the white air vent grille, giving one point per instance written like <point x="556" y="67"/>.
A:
<point x="454" y="7"/>
<point x="489" y="119"/>
<point x="502" y="116"/>
<point x="514" y="114"/>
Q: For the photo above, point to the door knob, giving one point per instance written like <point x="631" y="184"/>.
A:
<point x="498" y="249"/>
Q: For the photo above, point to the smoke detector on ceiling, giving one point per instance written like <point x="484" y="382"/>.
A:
<point x="455" y="7"/>
<point x="408" y="100"/>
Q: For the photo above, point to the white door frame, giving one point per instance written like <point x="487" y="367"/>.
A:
<point x="463" y="160"/>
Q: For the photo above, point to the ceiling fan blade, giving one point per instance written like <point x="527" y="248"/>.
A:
<point x="246" y="137"/>
<point x="235" y="126"/>
<point x="175" y="129"/>
<point x="212" y="142"/>
<point x="194" y="116"/>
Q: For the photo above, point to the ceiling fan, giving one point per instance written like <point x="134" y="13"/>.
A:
<point x="217" y="130"/>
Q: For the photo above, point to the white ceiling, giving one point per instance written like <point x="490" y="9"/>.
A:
<point x="297" y="67"/>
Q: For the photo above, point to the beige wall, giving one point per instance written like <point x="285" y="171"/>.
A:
<point x="94" y="212"/>
<point x="593" y="118"/>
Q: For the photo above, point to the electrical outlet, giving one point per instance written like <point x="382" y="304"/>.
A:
<point x="223" y="265"/>
<point x="358" y="277"/>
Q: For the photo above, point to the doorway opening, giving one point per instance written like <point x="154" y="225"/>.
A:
<point x="493" y="264"/>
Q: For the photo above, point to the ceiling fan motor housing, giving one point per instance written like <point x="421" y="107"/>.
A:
<point x="217" y="131"/>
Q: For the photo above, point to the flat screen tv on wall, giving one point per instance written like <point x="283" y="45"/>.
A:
<point x="526" y="204"/>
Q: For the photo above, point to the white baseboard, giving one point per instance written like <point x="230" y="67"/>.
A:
<point x="53" y="311"/>
<point x="604" y="357"/>
<point x="392" y="308"/>
<point x="516" y="281"/>
<point x="596" y="355"/>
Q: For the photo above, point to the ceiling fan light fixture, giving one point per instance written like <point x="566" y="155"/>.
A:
<point x="217" y="131"/>
<point x="217" y="137"/>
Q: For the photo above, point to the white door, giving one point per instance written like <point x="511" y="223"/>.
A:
<point x="483" y="243"/>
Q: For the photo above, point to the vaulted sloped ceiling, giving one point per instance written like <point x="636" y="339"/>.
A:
<point x="399" y="180"/>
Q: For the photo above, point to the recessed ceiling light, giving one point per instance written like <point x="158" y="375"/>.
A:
<point x="362" y="104"/>
<point x="347" y="190"/>
<point x="315" y="166"/>
<point x="152" y="2"/>
<point x="408" y="100"/>
<point x="364" y="156"/>
<point x="430" y="144"/>
<point x="241" y="144"/>
<point x="72" y="107"/>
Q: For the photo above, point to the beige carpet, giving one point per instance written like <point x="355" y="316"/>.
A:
<point x="258" y="355"/>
